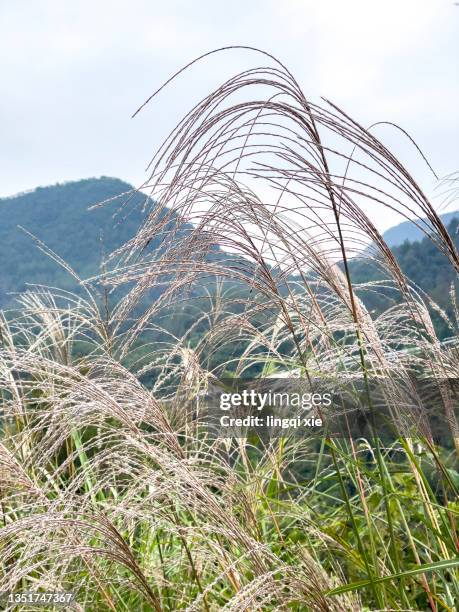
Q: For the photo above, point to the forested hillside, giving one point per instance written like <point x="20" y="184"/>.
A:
<point x="397" y="235"/>
<point x="58" y="215"/>
<point x="426" y="267"/>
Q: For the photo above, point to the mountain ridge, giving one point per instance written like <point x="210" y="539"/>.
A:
<point x="59" y="216"/>
<point x="407" y="230"/>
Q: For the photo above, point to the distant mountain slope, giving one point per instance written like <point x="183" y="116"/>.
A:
<point x="397" y="235"/>
<point x="58" y="215"/>
<point x="424" y="264"/>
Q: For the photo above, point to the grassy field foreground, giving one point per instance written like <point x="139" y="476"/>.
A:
<point x="109" y="490"/>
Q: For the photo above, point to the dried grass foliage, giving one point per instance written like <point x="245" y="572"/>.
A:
<point x="104" y="484"/>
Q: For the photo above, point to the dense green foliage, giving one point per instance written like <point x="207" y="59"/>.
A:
<point x="424" y="265"/>
<point x="59" y="217"/>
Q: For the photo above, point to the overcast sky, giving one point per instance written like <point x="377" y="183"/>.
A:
<point x="72" y="73"/>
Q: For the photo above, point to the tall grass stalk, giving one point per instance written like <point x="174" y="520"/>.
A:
<point x="109" y="489"/>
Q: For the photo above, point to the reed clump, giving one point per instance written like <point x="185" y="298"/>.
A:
<point x="110" y="489"/>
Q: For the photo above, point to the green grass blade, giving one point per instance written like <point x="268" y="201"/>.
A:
<point x="420" y="569"/>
